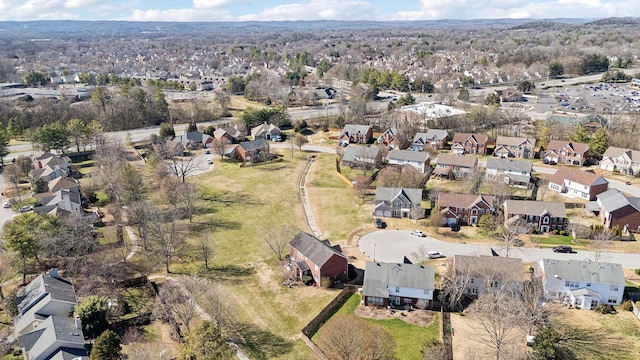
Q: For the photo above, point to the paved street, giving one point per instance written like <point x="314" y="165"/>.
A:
<point x="394" y="245"/>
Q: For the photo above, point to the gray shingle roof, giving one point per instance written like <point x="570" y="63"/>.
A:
<point x="509" y="164"/>
<point x="613" y="152"/>
<point x="360" y="153"/>
<point x="254" y="144"/>
<point x="462" y="200"/>
<point x="59" y="289"/>
<point x="584" y="271"/>
<point x="535" y="208"/>
<point x="53" y="329"/>
<point x="408" y="155"/>
<point x="436" y="134"/>
<point x="377" y="276"/>
<point x="469" y="161"/>
<point x="388" y="194"/>
<point x="315" y="250"/>
<point x="513" y="141"/>
<point x="351" y="129"/>
<point x="588" y="178"/>
<point x="613" y="200"/>
<point x="497" y="267"/>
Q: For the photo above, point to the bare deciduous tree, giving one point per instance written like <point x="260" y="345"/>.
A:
<point x="110" y="158"/>
<point x="299" y="140"/>
<point x="182" y="298"/>
<point x="138" y="216"/>
<point x="277" y="238"/>
<point x="420" y="255"/>
<point x="13" y="174"/>
<point x="188" y="196"/>
<point x="453" y="287"/>
<point x="361" y="186"/>
<point x="205" y="246"/>
<point x="165" y="239"/>
<point x="219" y="146"/>
<point x="600" y="242"/>
<point x="182" y="167"/>
<point x="348" y="337"/>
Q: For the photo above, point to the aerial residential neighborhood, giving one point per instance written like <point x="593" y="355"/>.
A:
<point x="406" y="189"/>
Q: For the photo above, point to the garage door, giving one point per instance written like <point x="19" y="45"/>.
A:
<point x="451" y="221"/>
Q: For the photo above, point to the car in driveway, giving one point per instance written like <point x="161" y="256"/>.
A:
<point x="435" y="255"/>
<point x="418" y="233"/>
<point x="209" y="161"/>
<point x="562" y="249"/>
<point x="455" y="227"/>
<point x="25" y="208"/>
<point x="380" y="224"/>
<point x="6" y="205"/>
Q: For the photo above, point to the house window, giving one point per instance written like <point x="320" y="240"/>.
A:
<point x="613" y="300"/>
<point x="376" y="301"/>
<point x="407" y="300"/>
<point x="494" y="284"/>
<point x="588" y="284"/>
<point x="571" y="284"/>
<point x="473" y="291"/>
<point x="471" y="281"/>
<point x="545" y="220"/>
<point x="613" y="288"/>
<point x="397" y="289"/>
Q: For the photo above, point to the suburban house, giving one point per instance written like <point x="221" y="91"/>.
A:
<point x="266" y="131"/>
<point x="55" y="338"/>
<point x="507" y="146"/>
<point x="253" y="151"/>
<point x="566" y="152"/>
<point x="582" y="283"/>
<point x="324" y="93"/>
<point x="48" y="173"/>
<point x="574" y="183"/>
<point x="465" y="143"/>
<point x="457" y="166"/>
<point x="391" y="284"/>
<point x="516" y="173"/>
<point x="417" y="159"/>
<point x="61" y="183"/>
<point x="230" y="135"/>
<point x="476" y="274"/>
<point x="356" y="134"/>
<point x="434" y="137"/>
<point x="388" y="138"/>
<point x="398" y="203"/>
<point x="315" y="258"/>
<point x="626" y="161"/>
<point x="362" y="156"/>
<point x="52" y="160"/>
<point x="59" y="202"/>
<point x="168" y="148"/>
<point x="464" y="209"/>
<point x="542" y="216"/>
<point x="617" y="209"/>
<point x="195" y="140"/>
<point x="46" y="295"/>
<point x="510" y="95"/>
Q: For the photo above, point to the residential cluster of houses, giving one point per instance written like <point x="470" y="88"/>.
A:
<point x="44" y="326"/>
<point x="63" y="191"/>
<point x="578" y="283"/>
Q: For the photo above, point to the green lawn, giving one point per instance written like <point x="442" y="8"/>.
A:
<point x="553" y="240"/>
<point x="408" y="337"/>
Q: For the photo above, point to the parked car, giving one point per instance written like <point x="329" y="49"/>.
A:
<point x="209" y="161"/>
<point x="277" y="138"/>
<point x="380" y="224"/>
<point x="435" y="255"/>
<point x="562" y="249"/>
<point x="208" y="152"/>
<point x="6" y="205"/>
<point x="455" y="227"/>
<point x="25" y="208"/>
<point x="418" y="233"/>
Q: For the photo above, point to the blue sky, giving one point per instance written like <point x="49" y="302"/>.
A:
<point x="270" y="10"/>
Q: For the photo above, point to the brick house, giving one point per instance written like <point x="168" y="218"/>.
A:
<point x="465" y="143"/>
<point x="566" y="152"/>
<point x="388" y="138"/>
<point x="310" y="256"/>
<point x="398" y="202"/>
<point x="543" y="216"/>
<point x="617" y="209"/>
<point x="356" y="134"/>
<point x="253" y="151"/>
<point x="434" y="137"/>
<point x="507" y="146"/>
<point x="391" y="284"/>
<point x="574" y="183"/>
<point x="464" y="209"/>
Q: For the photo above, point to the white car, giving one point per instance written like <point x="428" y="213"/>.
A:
<point x="418" y="233"/>
<point x="6" y="205"/>
<point x="435" y="255"/>
<point x="209" y="161"/>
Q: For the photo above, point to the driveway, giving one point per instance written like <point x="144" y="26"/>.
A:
<point x="394" y="245"/>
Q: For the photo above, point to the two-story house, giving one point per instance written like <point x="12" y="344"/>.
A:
<point x="543" y="216"/>
<point x="582" y="283"/>
<point x="356" y="134"/>
<point x="391" y="284"/>
<point x="456" y="166"/>
<point x="626" y="161"/>
<point x="516" y="173"/>
<point x="362" y="156"/>
<point x="253" y="151"/>
<point x="464" y="209"/>
<point x="477" y="274"/>
<point x="318" y="259"/>
<point x="417" y="159"/>
<point x="398" y="203"/>
<point x="388" y="138"/>
<point x="566" y="152"/>
<point x="434" y="137"/>
<point x="574" y="183"/>
<point x="617" y="209"/>
<point x="266" y="131"/>
<point x="518" y="147"/>
<point x="465" y="143"/>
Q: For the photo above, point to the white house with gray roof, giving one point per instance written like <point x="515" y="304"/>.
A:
<point x="391" y="284"/>
<point x="398" y="202"/>
<point x="508" y="146"/>
<point x="626" y="161"/>
<point x="516" y="173"/>
<point x="418" y="159"/>
<point x="55" y="338"/>
<point x="543" y="216"/>
<point x="582" y="283"/>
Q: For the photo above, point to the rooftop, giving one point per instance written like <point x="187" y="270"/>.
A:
<point x="379" y="276"/>
<point x="584" y="271"/>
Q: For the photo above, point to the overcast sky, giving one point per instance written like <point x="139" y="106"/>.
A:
<point x="265" y="10"/>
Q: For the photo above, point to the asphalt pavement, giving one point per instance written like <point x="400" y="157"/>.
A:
<point x="394" y="245"/>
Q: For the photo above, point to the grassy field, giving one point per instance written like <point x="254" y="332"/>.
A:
<point x="553" y="240"/>
<point x="407" y="337"/>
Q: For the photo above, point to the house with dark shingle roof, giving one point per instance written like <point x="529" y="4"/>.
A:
<point x="266" y="131"/>
<point x="566" y="152"/>
<point x="575" y="183"/>
<point x="516" y="173"/>
<point x="582" y="283"/>
<point x="458" y="166"/>
<point x="464" y="209"/>
<point x="391" y="284"/>
<point x="507" y="146"/>
<point x="362" y="156"/>
<point x="466" y="143"/>
<point x="253" y="151"/>
<point x="418" y="159"/>
<point x="310" y="256"/>
<point x="476" y="274"/>
<point x="388" y="138"/>
<point x="55" y="338"/>
<point x="543" y="216"/>
<point x="398" y="202"/>
<point x="356" y="134"/>
<point x="434" y="137"/>
<point x="617" y="209"/>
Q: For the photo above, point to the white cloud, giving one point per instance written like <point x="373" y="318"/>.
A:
<point x="179" y="15"/>
<point x="79" y="4"/>
<point x="209" y="4"/>
<point x="317" y="10"/>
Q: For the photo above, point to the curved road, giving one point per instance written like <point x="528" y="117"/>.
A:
<point x="393" y="245"/>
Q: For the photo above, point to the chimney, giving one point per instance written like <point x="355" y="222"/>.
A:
<point x="78" y="322"/>
<point x="54" y="273"/>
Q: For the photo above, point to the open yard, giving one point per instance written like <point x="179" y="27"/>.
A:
<point x="408" y="331"/>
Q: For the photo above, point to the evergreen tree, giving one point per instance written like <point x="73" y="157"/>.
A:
<point x="545" y="346"/>
<point x="598" y="143"/>
<point x="205" y="342"/>
<point x="93" y="315"/>
<point x="463" y="94"/>
<point x="106" y="347"/>
<point x="167" y="131"/>
<point x="580" y="135"/>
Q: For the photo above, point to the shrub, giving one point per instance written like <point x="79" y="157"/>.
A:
<point x="637" y="271"/>
<point x="627" y="306"/>
<point x="326" y="282"/>
<point x="562" y="232"/>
